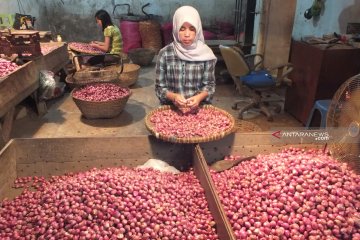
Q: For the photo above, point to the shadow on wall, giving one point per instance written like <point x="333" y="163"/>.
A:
<point x="349" y="15"/>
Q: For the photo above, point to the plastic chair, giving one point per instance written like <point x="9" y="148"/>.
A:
<point x="251" y="78"/>
<point x="322" y="106"/>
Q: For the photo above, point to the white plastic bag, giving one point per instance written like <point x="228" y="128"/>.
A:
<point x="159" y="165"/>
<point x="50" y="87"/>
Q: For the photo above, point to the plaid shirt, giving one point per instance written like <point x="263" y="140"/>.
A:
<point x="184" y="77"/>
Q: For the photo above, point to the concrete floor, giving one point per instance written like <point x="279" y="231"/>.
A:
<point x="63" y="118"/>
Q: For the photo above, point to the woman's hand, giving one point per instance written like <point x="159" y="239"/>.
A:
<point x="193" y="102"/>
<point x="179" y="100"/>
<point x="93" y="44"/>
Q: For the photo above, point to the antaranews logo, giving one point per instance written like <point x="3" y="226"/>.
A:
<point x="314" y="135"/>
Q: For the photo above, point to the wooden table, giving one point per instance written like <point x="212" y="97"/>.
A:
<point x="24" y="82"/>
<point x="319" y="70"/>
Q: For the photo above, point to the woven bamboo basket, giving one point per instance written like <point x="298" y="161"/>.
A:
<point x="74" y="82"/>
<point x="175" y="139"/>
<point x="106" y="109"/>
<point x="141" y="56"/>
<point x="129" y="74"/>
<point x="150" y="32"/>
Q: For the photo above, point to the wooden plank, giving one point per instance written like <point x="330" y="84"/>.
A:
<point x="223" y="227"/>
<point x="275" y="34"/>
<point x="7" y="124"/>
<point x="7" y="170"/>
<point x="18" y="85"/>
<point x="249" y="144"/>
<point x="112" y="151"/>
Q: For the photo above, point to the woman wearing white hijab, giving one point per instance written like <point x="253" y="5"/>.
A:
<point x="185" y="68"/>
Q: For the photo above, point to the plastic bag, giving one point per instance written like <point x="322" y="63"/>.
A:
<point x="159" y="165"/>
<point x="50" y="86"/>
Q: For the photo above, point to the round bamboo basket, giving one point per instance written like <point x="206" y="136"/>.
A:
<point x="129" y="75"/>
<point x="105" y="109"/>
<point x="150" y="32"/>
<point x="175" y="139"/>
<point x="74" y="82"/>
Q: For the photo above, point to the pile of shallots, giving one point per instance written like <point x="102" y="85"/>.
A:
<point x="200" y="123"/>
<point x="6" y="67"/>
<point x="116" y="203"/>
<point x="101" y="92"/>
<point x="295" y="194"/>
<point x="84" y="47"/>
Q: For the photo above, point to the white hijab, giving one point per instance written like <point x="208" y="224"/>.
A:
<point x="198" y="50"/>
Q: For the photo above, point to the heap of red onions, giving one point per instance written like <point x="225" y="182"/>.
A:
<point x="116" y="203"/>
<point x="101" y="92"/>
<point x="295" y="194"/>
<point x="7" y="67"/>
<point x="201" y="123"/>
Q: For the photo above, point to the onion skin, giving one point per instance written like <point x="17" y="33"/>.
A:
<point x="294" y="194"/>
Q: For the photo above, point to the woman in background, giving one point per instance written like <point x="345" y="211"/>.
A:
<point x="112" y="38"/>
<point x="185" y="68"/>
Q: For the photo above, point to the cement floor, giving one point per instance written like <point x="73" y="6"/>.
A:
<point x="63" y="118"/>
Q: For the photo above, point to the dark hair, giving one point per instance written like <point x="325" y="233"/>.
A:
<point x="104" y="17"/>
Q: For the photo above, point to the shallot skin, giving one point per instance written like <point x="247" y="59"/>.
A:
<point x="294" y="194"/>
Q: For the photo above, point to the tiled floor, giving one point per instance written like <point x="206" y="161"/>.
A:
<point x="63" y="118"/>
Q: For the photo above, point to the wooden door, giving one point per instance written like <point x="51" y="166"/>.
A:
<point x="275" y="31"/>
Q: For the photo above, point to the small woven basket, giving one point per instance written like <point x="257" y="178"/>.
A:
<point x="174" y="139"/>
<point x="105" y="109"/>
<point x="129" y="75"/>
<point x="99" y="75"/>
<point x="141" y="56"/>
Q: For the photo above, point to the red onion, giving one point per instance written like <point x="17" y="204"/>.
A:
<point x="109" y="204"/>
<point x="101" y="92"/>
<point x="6" y="67"/>
<point x="294" y="194"/>
<point x="201" y="123"/>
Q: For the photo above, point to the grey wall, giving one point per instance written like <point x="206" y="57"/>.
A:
<point x="74" y="19"/>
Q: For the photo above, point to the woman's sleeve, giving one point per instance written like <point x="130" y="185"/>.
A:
<point x="209" y="79"/>
<point x="160" y="81"/>
<point x="107" y="32"/>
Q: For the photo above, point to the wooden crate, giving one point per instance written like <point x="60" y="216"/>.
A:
<point x="57" y="156"/>
<point x="24" y="81"/>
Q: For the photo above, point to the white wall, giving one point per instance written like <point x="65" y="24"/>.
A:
<point x="333" y="18"/>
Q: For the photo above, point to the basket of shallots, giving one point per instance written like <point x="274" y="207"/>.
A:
<point x="84" y="48"/>
<point x="101" y="100"/>
<point x="204" y="124"/>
